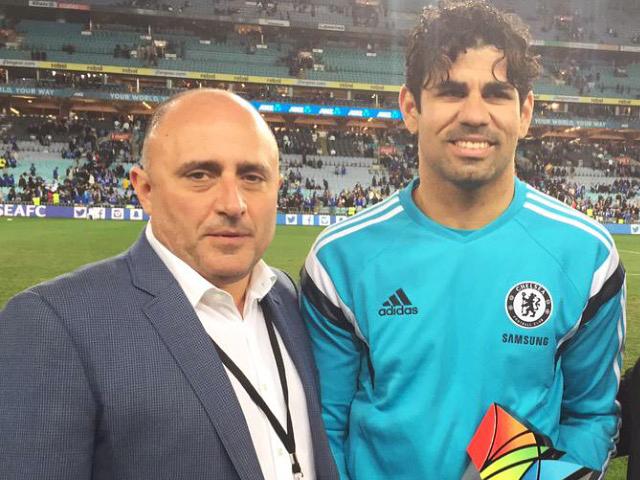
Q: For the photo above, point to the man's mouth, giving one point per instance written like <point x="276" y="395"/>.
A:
<point x="228" y="235"/>
<point x="472" y="145"/>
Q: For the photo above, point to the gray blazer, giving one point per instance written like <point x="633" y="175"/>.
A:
<point x="107" y="373"/>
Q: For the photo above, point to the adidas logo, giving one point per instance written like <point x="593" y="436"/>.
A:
<point x="398" y="304"/>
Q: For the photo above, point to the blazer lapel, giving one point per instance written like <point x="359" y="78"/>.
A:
<point x="294" y="342"/>
<point x="184" y="336"/>
<point x="294" y="336"/>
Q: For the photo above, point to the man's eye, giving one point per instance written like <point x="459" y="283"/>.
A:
<point x="197" y="175"/>
<point x="502" y="95"/>
<point x="451" y="93"/>
<point x="253" y="178"/>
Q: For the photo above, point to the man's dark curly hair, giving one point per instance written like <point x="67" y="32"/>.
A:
<point x="453" y="27"/>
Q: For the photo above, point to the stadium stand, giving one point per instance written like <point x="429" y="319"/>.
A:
<point x="602" y="179"/>
<point x="334" y="165"/>
<point x="277" y="57"/>
<point x="593" y="21"/>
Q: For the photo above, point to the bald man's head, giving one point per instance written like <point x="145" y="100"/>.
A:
<point x="212" y="104"/>
<point x="210" y="183"/>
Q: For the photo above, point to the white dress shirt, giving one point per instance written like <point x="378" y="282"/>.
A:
<point x="245" y="340"/>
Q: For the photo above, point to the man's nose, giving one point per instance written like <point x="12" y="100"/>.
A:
<point x="230" y="201"/>
<point x="474" y="111"/>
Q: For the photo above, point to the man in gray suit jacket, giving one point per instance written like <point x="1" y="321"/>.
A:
<point x="184" y="357"/>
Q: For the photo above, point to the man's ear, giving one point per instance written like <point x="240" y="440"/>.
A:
<point x="526" y="115"/>
<point x="142" y="185"/>
<point x="409" y="109"/>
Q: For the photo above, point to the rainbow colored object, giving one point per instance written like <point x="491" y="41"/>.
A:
<point x="504" y="449"/>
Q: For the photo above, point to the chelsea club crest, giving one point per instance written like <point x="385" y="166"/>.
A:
<point x="528" y="304"/>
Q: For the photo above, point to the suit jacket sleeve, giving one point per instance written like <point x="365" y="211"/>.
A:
<point x="629" y="399"/>
<point x="625" y="399"/>
<point x="47" y="407"/>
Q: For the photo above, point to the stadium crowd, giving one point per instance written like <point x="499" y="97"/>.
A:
<point x="101" y="153"/>
<point x="97" y="176"/>
<point x="350" y="142"/>
<point x="91" y="183"/>
<point x="554" y="168"/>
<point x="605" y="203"/>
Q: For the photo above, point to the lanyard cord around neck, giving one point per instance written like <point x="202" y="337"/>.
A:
<point x="286" y="437"/>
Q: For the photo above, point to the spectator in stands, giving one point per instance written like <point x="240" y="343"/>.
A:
<point x="120" y="367"/>
<point x="420" y="305"/>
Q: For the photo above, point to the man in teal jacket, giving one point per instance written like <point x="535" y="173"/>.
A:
<point x="468" y="287"/>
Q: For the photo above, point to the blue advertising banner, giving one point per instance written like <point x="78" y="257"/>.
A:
<point x="72" y="92"/>
<point x="26" y="211"/>
<point x="611" y="124"/>
<point x="308" y="220"/>
<point x="617" y="229"/>
<point x="263" y="107"/>
<point x="137" y="214"/>
<point x="328" y="110"/>
<point x="85" y="213"/>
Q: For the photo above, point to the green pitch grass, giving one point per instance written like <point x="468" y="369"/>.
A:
<point x="34" y="250"/>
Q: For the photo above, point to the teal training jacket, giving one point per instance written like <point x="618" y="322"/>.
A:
<point x="418" y="328"/>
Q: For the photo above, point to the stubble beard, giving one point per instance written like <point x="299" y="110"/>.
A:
<point x="469" y="180"/>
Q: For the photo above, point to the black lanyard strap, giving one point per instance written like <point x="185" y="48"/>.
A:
<point x="287" y="436"/>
